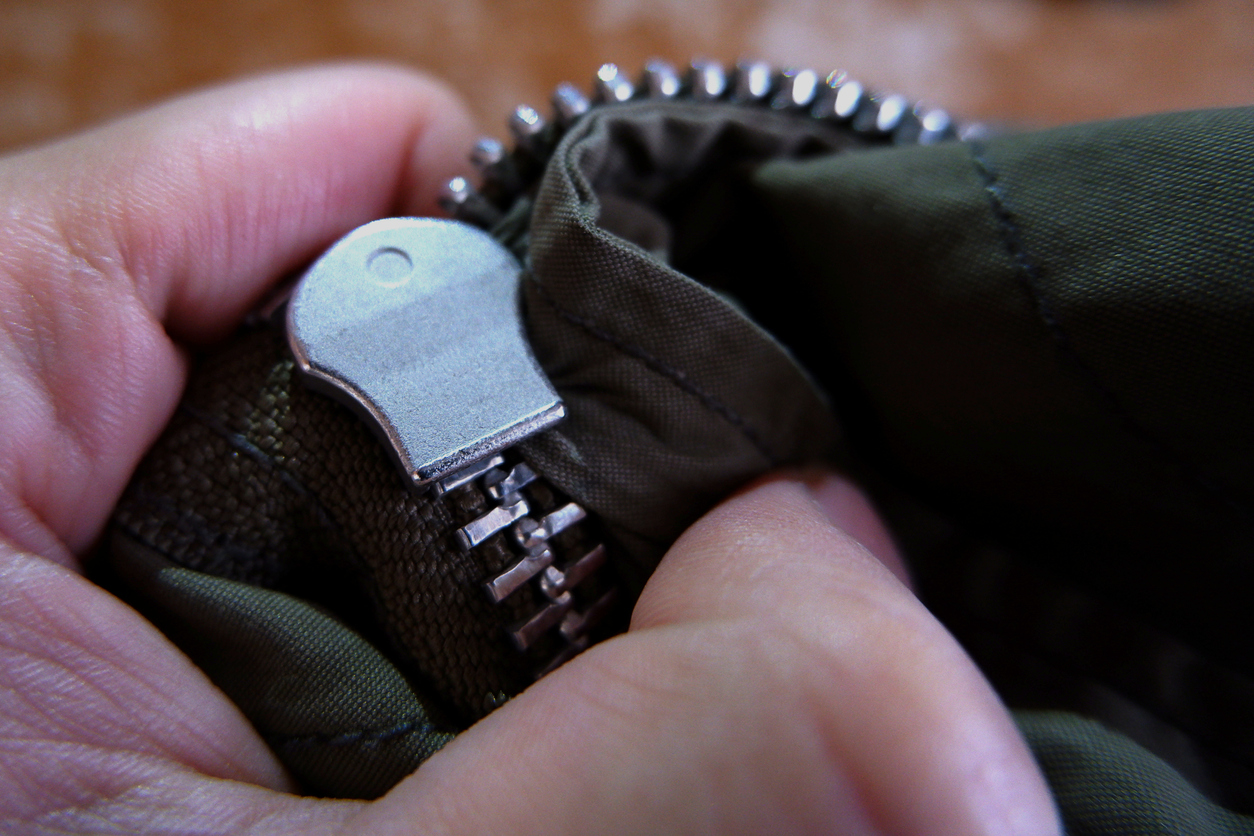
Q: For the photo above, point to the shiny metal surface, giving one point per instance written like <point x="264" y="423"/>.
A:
<point x="494" y="164"/>
<point x="868" y="119"/>
<point x="455" y="194"/>
<point x="555" y="581"/>
<point x="487" y="153"/>
<point x="467" y="475"/>
<point x="935" y="126"/>
<point x="557" y="521"/>
<point x="611" y="85"/>
<point x="892" y="111"/>
<point x="500" y="485"/>
<point x="532" y="535"/>
<point x="660" y="80"/>
<point x="752" y="81"/>
<point x="537" y="560"/>
<point x="707" y="80"/>
<point x="529" y="536"/>
<point x="842" y="99"/>
<point x="498" y="519"/>
<point x="797" y="89"/>
<point x="527" y="127"/>
<point x="415" y="323"/>
<point x="517" y="575"/>
<point x="463" y="202"/>
<point x="576" y="624"/>
<point x="70" y="63"/>
<point x="526" y="633"/>
<point x="569" y="103"/>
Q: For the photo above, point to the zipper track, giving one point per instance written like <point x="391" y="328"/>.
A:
<point x="836" y="99"/>
<point x="530" y="535"/>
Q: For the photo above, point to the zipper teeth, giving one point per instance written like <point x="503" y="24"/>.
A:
<point x="835" y="99"/>
<point x="529" y="536"/>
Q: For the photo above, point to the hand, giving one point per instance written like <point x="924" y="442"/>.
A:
<point x="777" y="677"/>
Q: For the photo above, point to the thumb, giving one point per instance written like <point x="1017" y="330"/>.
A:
<point x="777" y="678"/>
<point x="903" y="711"/>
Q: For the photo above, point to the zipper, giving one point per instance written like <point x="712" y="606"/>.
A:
<point x="836" y="99"/>
<point x="415" y="324"/>
<point x="531" y="536"/>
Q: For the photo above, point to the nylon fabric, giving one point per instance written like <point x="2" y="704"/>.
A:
<point x="341" y="717"/>
<point x="1050" y="334"/>
<point x="1106" y="785"/>
<point x="676" y="398"/>
<point x="1041" y="344"/>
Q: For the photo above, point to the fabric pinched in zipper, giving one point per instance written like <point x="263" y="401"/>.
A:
<point x="259" y="480"/>
<point x="675" y="399"/>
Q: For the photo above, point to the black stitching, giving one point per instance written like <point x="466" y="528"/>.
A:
<point x="268" y="462"/>
<point x="419" y="724"/>
<point x="1029" y="275"/>
<point x="673" y="374"/>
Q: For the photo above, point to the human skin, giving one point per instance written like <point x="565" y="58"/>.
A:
<point x="779" y="676"/>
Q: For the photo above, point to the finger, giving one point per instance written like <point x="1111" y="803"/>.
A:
<point x="77" y="666"/>
<point x="926" y="742"/>
<point x="177" y="219"/>
<point x="778" y="678"/>
<point x="846" y="507"/>
<point x="106" y="728"/>
<point x="202" y="201"/>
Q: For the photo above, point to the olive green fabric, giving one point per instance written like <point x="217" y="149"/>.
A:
<point x="1051" y="334"/>
<point x="1042" y="348"/>
<point x="336" y="711"/>
<point x="1106" y="785"/>
<point x="675" y="397"/>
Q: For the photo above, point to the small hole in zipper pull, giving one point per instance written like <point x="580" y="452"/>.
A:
<point x="389" y="266"/>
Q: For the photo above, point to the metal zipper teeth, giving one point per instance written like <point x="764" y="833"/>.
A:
<point x="507" y="174"/>
<point x="835" y="99"/>
<point x="529" y="536"/>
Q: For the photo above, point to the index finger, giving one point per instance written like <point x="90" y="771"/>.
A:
<point x="173" y="222"/>
<point x="202" y="200"/>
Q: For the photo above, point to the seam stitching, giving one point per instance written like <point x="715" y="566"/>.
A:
<point x="1029" y="275"/>
<point x="676" y="376"/>
<point x="421" y="725"/>
<point x="239" y="442"/>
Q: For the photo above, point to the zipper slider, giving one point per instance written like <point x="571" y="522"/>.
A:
<point x="415" y="324"/>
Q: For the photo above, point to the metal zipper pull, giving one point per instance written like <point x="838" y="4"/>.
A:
<point x="415" y="323"/>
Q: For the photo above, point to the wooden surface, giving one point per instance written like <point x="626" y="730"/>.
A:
<point x="66" y="63"/>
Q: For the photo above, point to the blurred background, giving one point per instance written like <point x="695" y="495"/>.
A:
<point x="67" y="63"/>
